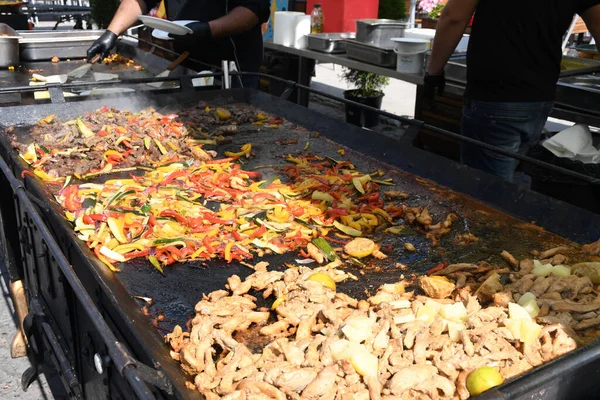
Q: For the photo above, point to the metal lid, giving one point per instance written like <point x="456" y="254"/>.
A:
<point x="382" y="22"/>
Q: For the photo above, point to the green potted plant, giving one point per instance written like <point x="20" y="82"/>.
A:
<point x="368" y="90"/>
<point x="392" y="9"/>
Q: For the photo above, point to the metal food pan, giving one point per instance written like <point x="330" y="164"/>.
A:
<point x="9" y="47"/>
<point x="456" y="69"/>
<point x="379" y="32"/>
<point x="329" y="42"/>
<point x="370" y="54"/>
<point x="44" y="45"/>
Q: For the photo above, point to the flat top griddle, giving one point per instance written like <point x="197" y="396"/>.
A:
<point x="176" y="293"/>
<point x="20" y="77"/>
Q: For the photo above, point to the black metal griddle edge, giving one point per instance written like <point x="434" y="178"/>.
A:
<point x="563" y="219"/>
<point x="120" y="313"/>
<point x="120" y="356"/>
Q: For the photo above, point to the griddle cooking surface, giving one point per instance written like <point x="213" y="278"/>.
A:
<point x="182" y="287"/>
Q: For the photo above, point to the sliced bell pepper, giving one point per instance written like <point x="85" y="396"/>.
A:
<point x="154" y="261"/>
<point x="116" y="227"/>
<point x="173" y="214"/>
<point x="83" y="129"/>
<point x="259" y="232"/>
<point x="71" y="203"/>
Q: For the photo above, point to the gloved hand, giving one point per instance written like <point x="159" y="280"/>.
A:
<point x="431" y="83"/>
<point x="201" y="31"/>
<point x="102" y="45"/>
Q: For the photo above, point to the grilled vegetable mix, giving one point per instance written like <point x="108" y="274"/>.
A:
<point x="105" y="141"/>
<point x="206" y="209"/>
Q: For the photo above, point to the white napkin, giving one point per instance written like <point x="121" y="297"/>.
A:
<point x="575" y="143"/>
<point x="41" y="80"/>
<point x="203" y="81"/>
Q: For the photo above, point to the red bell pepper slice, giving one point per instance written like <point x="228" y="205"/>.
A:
<point x="215" y="220"/>
<point x="174" y="251"/>
<point x="137" y="254"/>
<point x="304" y="254"/>
<point x="173" y="176"/>
<point x="297" y="211"/>
<point x="208" y="245"/>
<point x="72" y="203"/>
<point x="113" y="159"/>
<point x="437" y="268"/>
<point x="252" y="174"/>
<point x="236" y="235"/>
<point x="336" y="212"/>
<point x="89" y="219"/>
<point x="173" y="214"/>
<point x="338" y="241"/>
<point x="259" y="232"/>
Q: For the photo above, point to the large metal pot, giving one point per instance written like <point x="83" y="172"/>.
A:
<point x="9" y="47"/>
<point x="378" y="32"/>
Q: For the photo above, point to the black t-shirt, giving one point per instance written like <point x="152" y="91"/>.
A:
<point x="515" y="48"/>
<point x="248" y="45"/>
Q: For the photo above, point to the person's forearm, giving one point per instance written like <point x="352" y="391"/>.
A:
<point x="126" y="15"/>
<point x="592" y="21"/>
<point x="239" y="20"/>
<point x="449" y="32"/>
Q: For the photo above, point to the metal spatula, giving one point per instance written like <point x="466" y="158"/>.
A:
<point x="80" y="71"/>
<point x="170" y="68"/>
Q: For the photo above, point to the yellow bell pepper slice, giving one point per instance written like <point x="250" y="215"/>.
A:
<point x="83" y="129"/>
<point x="116" y="228"/>
<point x="246" y="149"/>
<point x="228" y="247"/>
<point x="161" y="148"/>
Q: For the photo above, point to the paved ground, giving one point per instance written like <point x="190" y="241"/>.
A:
<point x="399" y="96"/>
<point x="399" y="99"/>
<point x="11" y="369"/>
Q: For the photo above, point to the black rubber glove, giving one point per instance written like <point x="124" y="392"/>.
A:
<point x="431" y="83"/>
<point x="201" y="31"/>
<point x="102" y="45"/>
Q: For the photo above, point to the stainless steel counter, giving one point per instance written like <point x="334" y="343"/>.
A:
<point x="577" y="97"/>
<point x="342" y="59"/>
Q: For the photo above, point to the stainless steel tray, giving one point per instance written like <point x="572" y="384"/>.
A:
<point x="379" y="32"/>
<point x="581" y="93"/>
<point x="9" y="47"/>
<point x="370" y="54"/>
<point x="456" y="69"/>
<point x="329" y="42"/>
<point x="43" y="45"/>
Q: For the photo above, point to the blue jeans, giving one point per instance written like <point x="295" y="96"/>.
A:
<point x="511" y="126"/>
<point x="249" y="81"/>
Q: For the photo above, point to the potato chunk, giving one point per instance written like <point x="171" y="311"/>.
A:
<point x="437" y="287"/>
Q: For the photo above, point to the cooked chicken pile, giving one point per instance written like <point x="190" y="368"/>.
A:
<point x="395" y="345"/>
